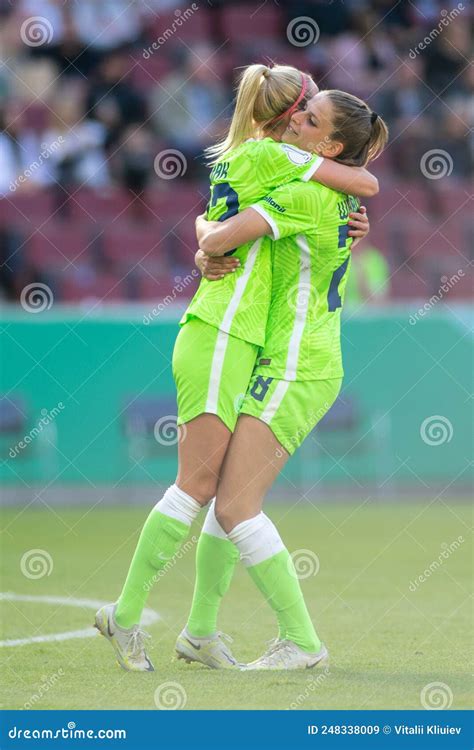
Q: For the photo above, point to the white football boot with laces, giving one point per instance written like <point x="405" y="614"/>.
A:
<point x="287" y="655"/>
<point x="128" y="643"/>
<point x="212" y="651"/>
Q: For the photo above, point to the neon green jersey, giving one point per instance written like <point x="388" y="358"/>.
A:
<point x="239" y="303"/>
<point x="310" y="263"/>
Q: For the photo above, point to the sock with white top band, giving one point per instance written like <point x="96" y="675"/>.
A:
<point x="271" y="567"/>
<point x="164" y="531"/>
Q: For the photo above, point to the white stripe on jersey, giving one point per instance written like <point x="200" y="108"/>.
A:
<point x="216" y="372"/>
<point x="223" y="334"/>
<point x="275" y="401"/>
<point x="303" y="300"/>
<point x="240" y="286"/>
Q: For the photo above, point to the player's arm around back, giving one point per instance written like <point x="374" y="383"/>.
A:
<point x="218" y="237"/>
<point x="350" y="180"/>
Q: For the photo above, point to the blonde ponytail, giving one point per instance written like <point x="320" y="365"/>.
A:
<point x="263" y="95"/>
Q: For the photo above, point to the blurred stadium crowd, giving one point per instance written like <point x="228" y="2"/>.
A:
<point x="106" y="107"/>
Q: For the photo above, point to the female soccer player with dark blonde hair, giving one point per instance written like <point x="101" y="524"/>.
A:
<point x="297" y="377"/>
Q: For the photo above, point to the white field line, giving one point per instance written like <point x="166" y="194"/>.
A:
<point x="148" y="618"/>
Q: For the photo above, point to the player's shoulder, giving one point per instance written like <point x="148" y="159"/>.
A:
<point x="276" y="149"/>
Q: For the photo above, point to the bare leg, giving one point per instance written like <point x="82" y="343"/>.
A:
<point x="252" y="463"/>
<point x="201" y="449"/>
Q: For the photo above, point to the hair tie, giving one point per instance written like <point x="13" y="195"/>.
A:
<point x="373" y="117"/>
<point x="290" y="110"/>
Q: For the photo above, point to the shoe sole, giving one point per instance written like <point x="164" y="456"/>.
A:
<point x="322" y="662"/>
<point x="185" y="658"/>
<point x="189" y="658"/>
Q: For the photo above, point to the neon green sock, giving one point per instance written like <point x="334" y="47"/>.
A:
<point x="277" y="580"/>
<point x="216" y="559"/>
<point x="160" y="539"/>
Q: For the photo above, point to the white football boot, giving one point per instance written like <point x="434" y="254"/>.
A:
<point x="287" y="655"/>
<point x="128" y="643"/>
<point x="212" y="651"/>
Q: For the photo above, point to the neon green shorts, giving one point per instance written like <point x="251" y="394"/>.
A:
<point x="291" y="408"/>
<point x="212" y="371"/>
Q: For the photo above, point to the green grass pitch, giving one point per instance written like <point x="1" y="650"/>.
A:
<point x="387" y="642"/>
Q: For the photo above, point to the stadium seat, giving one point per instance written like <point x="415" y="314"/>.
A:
<point x="146" y="72"/>
<point x="102" y="287"/>
<point x="26" y="209"/>
<point x="95" y="205"/>
<point x="58" y="244"/>
<point x="128" y="243"/>
<point x="244" y="22"/>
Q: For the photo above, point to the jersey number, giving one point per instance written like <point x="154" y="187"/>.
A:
<point x="224" y="190"/>
<point x="334" y="298"/>
<point x="260" y="388"/>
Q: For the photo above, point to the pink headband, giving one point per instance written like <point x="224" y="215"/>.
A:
<point x="291" y="109"/>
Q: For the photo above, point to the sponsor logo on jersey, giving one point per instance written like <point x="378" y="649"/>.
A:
<point x="296" y="155"/>
<point x="274" y="204"/>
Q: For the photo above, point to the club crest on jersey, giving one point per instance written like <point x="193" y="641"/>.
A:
<point x="296" y="155"/>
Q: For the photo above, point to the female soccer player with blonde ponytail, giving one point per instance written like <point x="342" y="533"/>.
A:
<point x="220" y="336"/>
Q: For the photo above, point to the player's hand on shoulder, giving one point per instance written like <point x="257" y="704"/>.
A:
<point x="214" y="268"/>
<point x="359" y="223"/>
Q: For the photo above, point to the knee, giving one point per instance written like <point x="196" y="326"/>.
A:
<point x="202" y="488"/>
